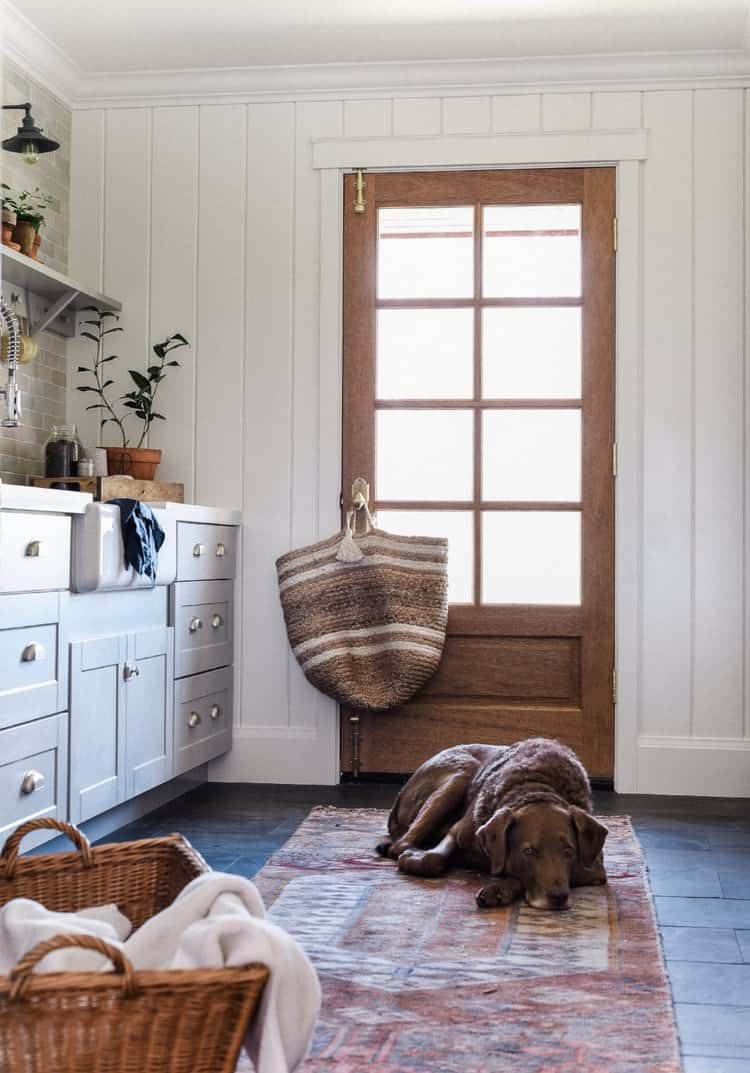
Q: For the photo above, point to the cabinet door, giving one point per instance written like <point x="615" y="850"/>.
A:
<point x="149" y="693"/>
<point x="97" y="726"/>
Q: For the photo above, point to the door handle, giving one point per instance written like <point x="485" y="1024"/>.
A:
<point x="215" y="711"/>
<point x="195" y="625"/>
<point x="220" y="550"/>
<point x="216" y="621"/>
<point x="194" y="720"/>
<point x="199" y="549"/>
<point x="36" y="549"/>
<point x="32" y="652"/>
<point x="130" y="670"/>
<point x="32" y="780"/>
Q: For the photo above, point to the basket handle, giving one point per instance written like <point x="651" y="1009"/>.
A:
<point x="20" y="974"/>
<point x="9" y="855"/>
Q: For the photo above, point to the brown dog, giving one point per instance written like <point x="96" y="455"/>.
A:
<point x="521" y="812"/>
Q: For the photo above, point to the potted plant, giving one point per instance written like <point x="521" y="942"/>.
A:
<point x="136" y="460"/>
<point x="29" y="207"/>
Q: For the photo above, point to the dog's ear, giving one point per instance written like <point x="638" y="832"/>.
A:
<point x="492" y="838"/>
<point x="590" y="835"/>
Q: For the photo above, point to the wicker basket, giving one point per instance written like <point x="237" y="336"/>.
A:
<point x="122" y="1022"/>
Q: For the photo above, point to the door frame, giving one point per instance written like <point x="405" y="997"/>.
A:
<point x="623" y="150"/>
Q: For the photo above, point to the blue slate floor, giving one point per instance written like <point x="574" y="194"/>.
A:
<point x="698" y="853"/>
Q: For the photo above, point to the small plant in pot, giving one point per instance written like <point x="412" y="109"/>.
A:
<point x="30" y="207"/>
<point x="136" y="460"/>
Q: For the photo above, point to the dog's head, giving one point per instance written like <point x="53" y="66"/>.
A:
<point x="539" y="844"/>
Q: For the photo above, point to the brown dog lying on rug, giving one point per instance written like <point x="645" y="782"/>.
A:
<point x="521" y="812"/>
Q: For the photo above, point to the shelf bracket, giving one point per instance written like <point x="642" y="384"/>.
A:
<point x="48" y="313"/>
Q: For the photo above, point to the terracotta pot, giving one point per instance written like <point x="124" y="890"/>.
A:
<point x="24" y="234"/>
<point x="37" y="244"/>
<point x="138" y="462"/>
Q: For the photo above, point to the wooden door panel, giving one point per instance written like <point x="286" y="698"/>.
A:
<point x="509" y="670"/>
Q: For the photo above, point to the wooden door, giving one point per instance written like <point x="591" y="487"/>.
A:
<point x="479" y="404"/>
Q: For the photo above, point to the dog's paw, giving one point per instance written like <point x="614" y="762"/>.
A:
<point x="503" y="892"/>
<point x="383" y="849"/>
<point x="421" y="862"/>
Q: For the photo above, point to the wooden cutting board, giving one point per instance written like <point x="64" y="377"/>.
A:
<point x="104" y="488"/>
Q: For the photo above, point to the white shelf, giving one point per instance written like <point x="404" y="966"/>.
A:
<point x="47" y="297"/>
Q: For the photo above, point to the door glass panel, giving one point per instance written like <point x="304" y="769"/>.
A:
<point x="531" y="251"/>
<point x="425" y="354"/>
<point x="426" y="252"/>
<point x="531" y="557"/>
<point x="457" y="526"/>
<point x="530" y="455"/>
<point x="531" y="353"/>
<point x="424" y="454"/>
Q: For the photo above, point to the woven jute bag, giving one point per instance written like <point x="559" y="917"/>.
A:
<point x="366" y="614"/>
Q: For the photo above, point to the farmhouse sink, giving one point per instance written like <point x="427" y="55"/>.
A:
<point x="98" y="553"/>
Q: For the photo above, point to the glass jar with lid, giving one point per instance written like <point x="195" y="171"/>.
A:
<point x="61" y="451"/>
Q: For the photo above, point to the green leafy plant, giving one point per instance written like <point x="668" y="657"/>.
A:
<point x="140" y="401"/>
<point x="29" y="205"/>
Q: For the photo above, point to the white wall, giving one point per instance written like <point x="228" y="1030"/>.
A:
<point x="206" y="219"/>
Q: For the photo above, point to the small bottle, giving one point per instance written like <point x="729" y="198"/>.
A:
<point x="61" y="451"/>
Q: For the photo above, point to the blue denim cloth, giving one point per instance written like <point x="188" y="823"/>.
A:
<point x="142" y="536"/>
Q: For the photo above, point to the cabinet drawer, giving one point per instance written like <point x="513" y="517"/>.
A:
<point x="206" y="552"/>
<point x="33" y="775"/>
<point x="201" y="613"/>
<point x="203" y="718"/>
<point x="33" y="675"/>
<point x="35" y="551"/>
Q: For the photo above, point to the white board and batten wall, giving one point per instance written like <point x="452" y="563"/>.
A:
<point x="206" y="219"/>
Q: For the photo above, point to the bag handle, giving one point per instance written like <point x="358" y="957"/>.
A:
<point x="10" y="853"/>
<point x="20" y="974"/>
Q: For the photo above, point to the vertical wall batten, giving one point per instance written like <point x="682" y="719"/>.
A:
<point x="718" y="433"/>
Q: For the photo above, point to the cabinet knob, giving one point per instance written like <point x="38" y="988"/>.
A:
<point x="215" y="711"/>
<point x="220" y="550"/>
<point x="195" y="625"/>
<point x="194" y="720"/>
<point x="216" y="621"/>
<point x="32" y="780"/>
<point x="32" y="652"/>
<point x="131" y="670"/>
<point x="36" y="549"/>
<point x="199" y="549"/>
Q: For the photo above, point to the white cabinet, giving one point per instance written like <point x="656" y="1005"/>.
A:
<point x="121" y="697"/>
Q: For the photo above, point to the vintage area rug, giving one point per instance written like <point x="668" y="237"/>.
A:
<point x="417" y="980"/>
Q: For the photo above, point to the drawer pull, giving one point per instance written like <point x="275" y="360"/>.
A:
<point x="36" y="549"/>
<point x="194" y="720"/>
<point x="32" y="652"/>
<point x="216" y="621"/>
<point x="220" y="550"/>
<point x="199" y="549"/>
<point x="215" y="711"/>
<point x="195" y="625"/>
<point x="131" y="670"/>
<point x="32" y="780"/>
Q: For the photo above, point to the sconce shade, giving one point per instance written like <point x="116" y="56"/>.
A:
<point x="29" y="138"/>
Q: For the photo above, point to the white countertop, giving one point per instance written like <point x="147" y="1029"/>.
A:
<point x="191" y="512"/>
<point x="54" y="501"/>
<point x="49" y="500"/>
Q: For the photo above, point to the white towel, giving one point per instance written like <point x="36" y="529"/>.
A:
<point x="24" y="923"/>
<point x="217" y="920"/>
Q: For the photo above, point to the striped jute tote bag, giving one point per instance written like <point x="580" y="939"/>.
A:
<point x="366" y="615"/>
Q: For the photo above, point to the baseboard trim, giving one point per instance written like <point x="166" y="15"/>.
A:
<point x="695" y="767"/>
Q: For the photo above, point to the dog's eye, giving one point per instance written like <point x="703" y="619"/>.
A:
<point x="529" y="851"/>
<point x="568" y="851"/>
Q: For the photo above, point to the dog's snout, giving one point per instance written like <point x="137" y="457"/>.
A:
<point x="558" y="899"/>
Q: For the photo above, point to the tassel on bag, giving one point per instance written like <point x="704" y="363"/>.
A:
<point x="348" y="551"/>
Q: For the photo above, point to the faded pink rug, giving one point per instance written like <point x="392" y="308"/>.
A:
<point x="417" y="980"/>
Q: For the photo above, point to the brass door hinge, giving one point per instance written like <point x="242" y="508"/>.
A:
<point x="614" y="459"/>
<point x="614" y="233"/>
<point x="360" y="204"/>
<point x="614" y="686"/>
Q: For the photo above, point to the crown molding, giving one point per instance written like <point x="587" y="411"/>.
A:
<point x="38" y="57"/>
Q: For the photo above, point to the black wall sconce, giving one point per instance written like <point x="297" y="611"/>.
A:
<point x="28" y="139"/>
